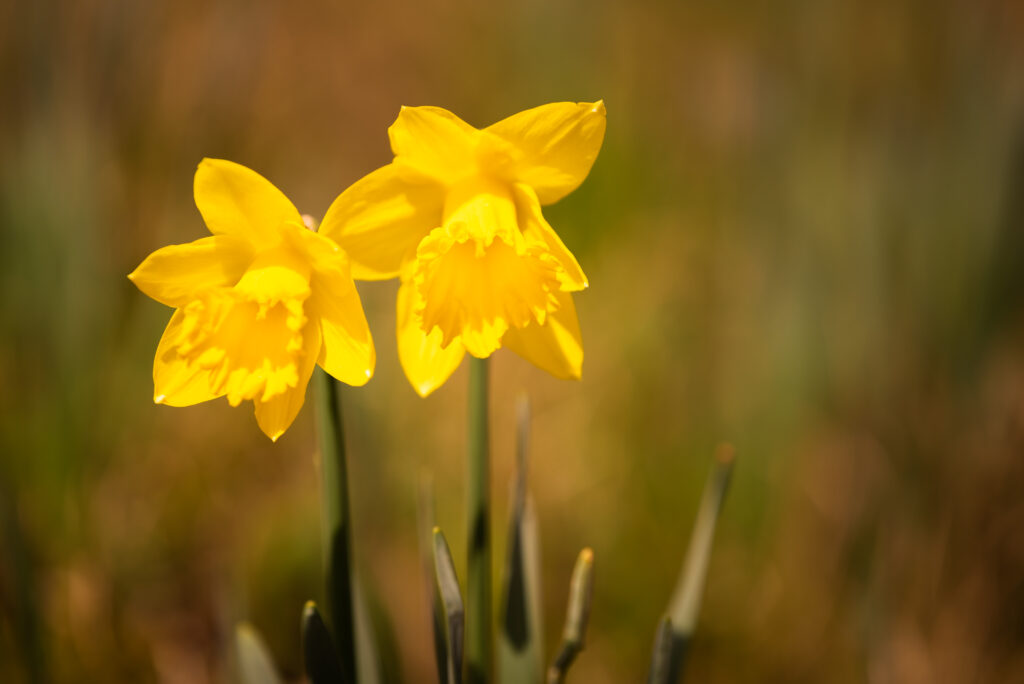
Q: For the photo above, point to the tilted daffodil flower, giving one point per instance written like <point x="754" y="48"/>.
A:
<point x="258" y="304"/>
<point x="457" y="216"/>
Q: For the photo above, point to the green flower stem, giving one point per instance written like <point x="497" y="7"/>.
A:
<point x="478" y="619"/>
<point x="336" y="521"/>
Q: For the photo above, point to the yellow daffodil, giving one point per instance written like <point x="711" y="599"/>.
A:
<point x="457" y="217"/>
<point x="258" y="303"/>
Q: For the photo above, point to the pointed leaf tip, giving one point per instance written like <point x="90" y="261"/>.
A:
<point x="581" y="589"/>
<point x="684" y="606"/>
<point x="323" y="665"/>
<point x="451" y="597"/>
<point x="425" y="525"/>
<point x="521" y="637"/>
<point x="725" y="453"/>
<point x="662" y="668"/>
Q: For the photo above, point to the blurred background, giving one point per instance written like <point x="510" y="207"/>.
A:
<point x="803" y="236"/>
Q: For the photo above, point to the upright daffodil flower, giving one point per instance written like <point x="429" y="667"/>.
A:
<point x="257" y="305"/>
<point x="457" y="217"/>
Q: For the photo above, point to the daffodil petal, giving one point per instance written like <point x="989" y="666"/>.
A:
<point x="278" y="413"/>
<point x="176" y="381"/>
<point x="435" y="142"/>
<point x="533" y="224"/>
<point x="556" y="346"/>
<point x="558" y="144"/>
<point x="319" y="252"/>
<point x="347" y="353"/>
<point x="380" y="219"/>
<point x="426" y="364"/>
<point x="235" y="200"/>
<point x="173" y="275"/>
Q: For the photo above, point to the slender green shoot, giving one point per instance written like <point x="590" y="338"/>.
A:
<point x="685" y="604"/>
<point x="451" y="598"/>
<point x="581" y="591"/>
<point x="255" y="665"/>
<point x="425" y="522"/>
<point x="520" y="633"/>
<point x="318" y="652"/>
<point x="661" y="656"/>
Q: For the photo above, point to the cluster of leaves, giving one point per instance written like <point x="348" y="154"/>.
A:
<point x="333" y="655"/>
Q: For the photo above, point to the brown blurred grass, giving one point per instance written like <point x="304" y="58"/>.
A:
<point x="803" y="235"/>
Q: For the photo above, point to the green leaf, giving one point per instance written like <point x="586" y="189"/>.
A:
<point x="520" y="637"/>
<point x="581" y="592"/>
<point x="377" y="655"/>
<point x="254" y="662"/>
<point x="661" y="657"/>
<point x="685" y="604"/>
<point x="425" y="520"/>
<point x="451" y="599"/>
<point x="321" y="659"/>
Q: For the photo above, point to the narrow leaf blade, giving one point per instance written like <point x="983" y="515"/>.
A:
<point x="661" y="656"/>
<point x="425" y="518"/>
<point x="451" y="598"/>
<point x="520" y="638"/>
<point x="685" y="604"/>
<point x="254" y="662"/>
<point x="581" y="591"/>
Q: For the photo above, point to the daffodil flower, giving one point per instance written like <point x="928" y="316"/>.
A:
<point x="257" y="305"/>
<point x="457" y="216"/>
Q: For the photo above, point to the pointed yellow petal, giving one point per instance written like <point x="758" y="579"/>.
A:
<point x="173" y="275"/>
<point x="380" y="219"/>
<point x="177" y="382"/>
<point x="278" y="413"/>
<point x="235" y="200"/>
<point x="435" y="142"/>
<point x="556" y="346"/>
<point x="426" y="364"/>
<point x="347" y="353"/>
<point x="533" y="224"/>
<point x="558" y="144"/>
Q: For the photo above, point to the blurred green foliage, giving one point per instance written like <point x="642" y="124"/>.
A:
<point x="803" y="235"/>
